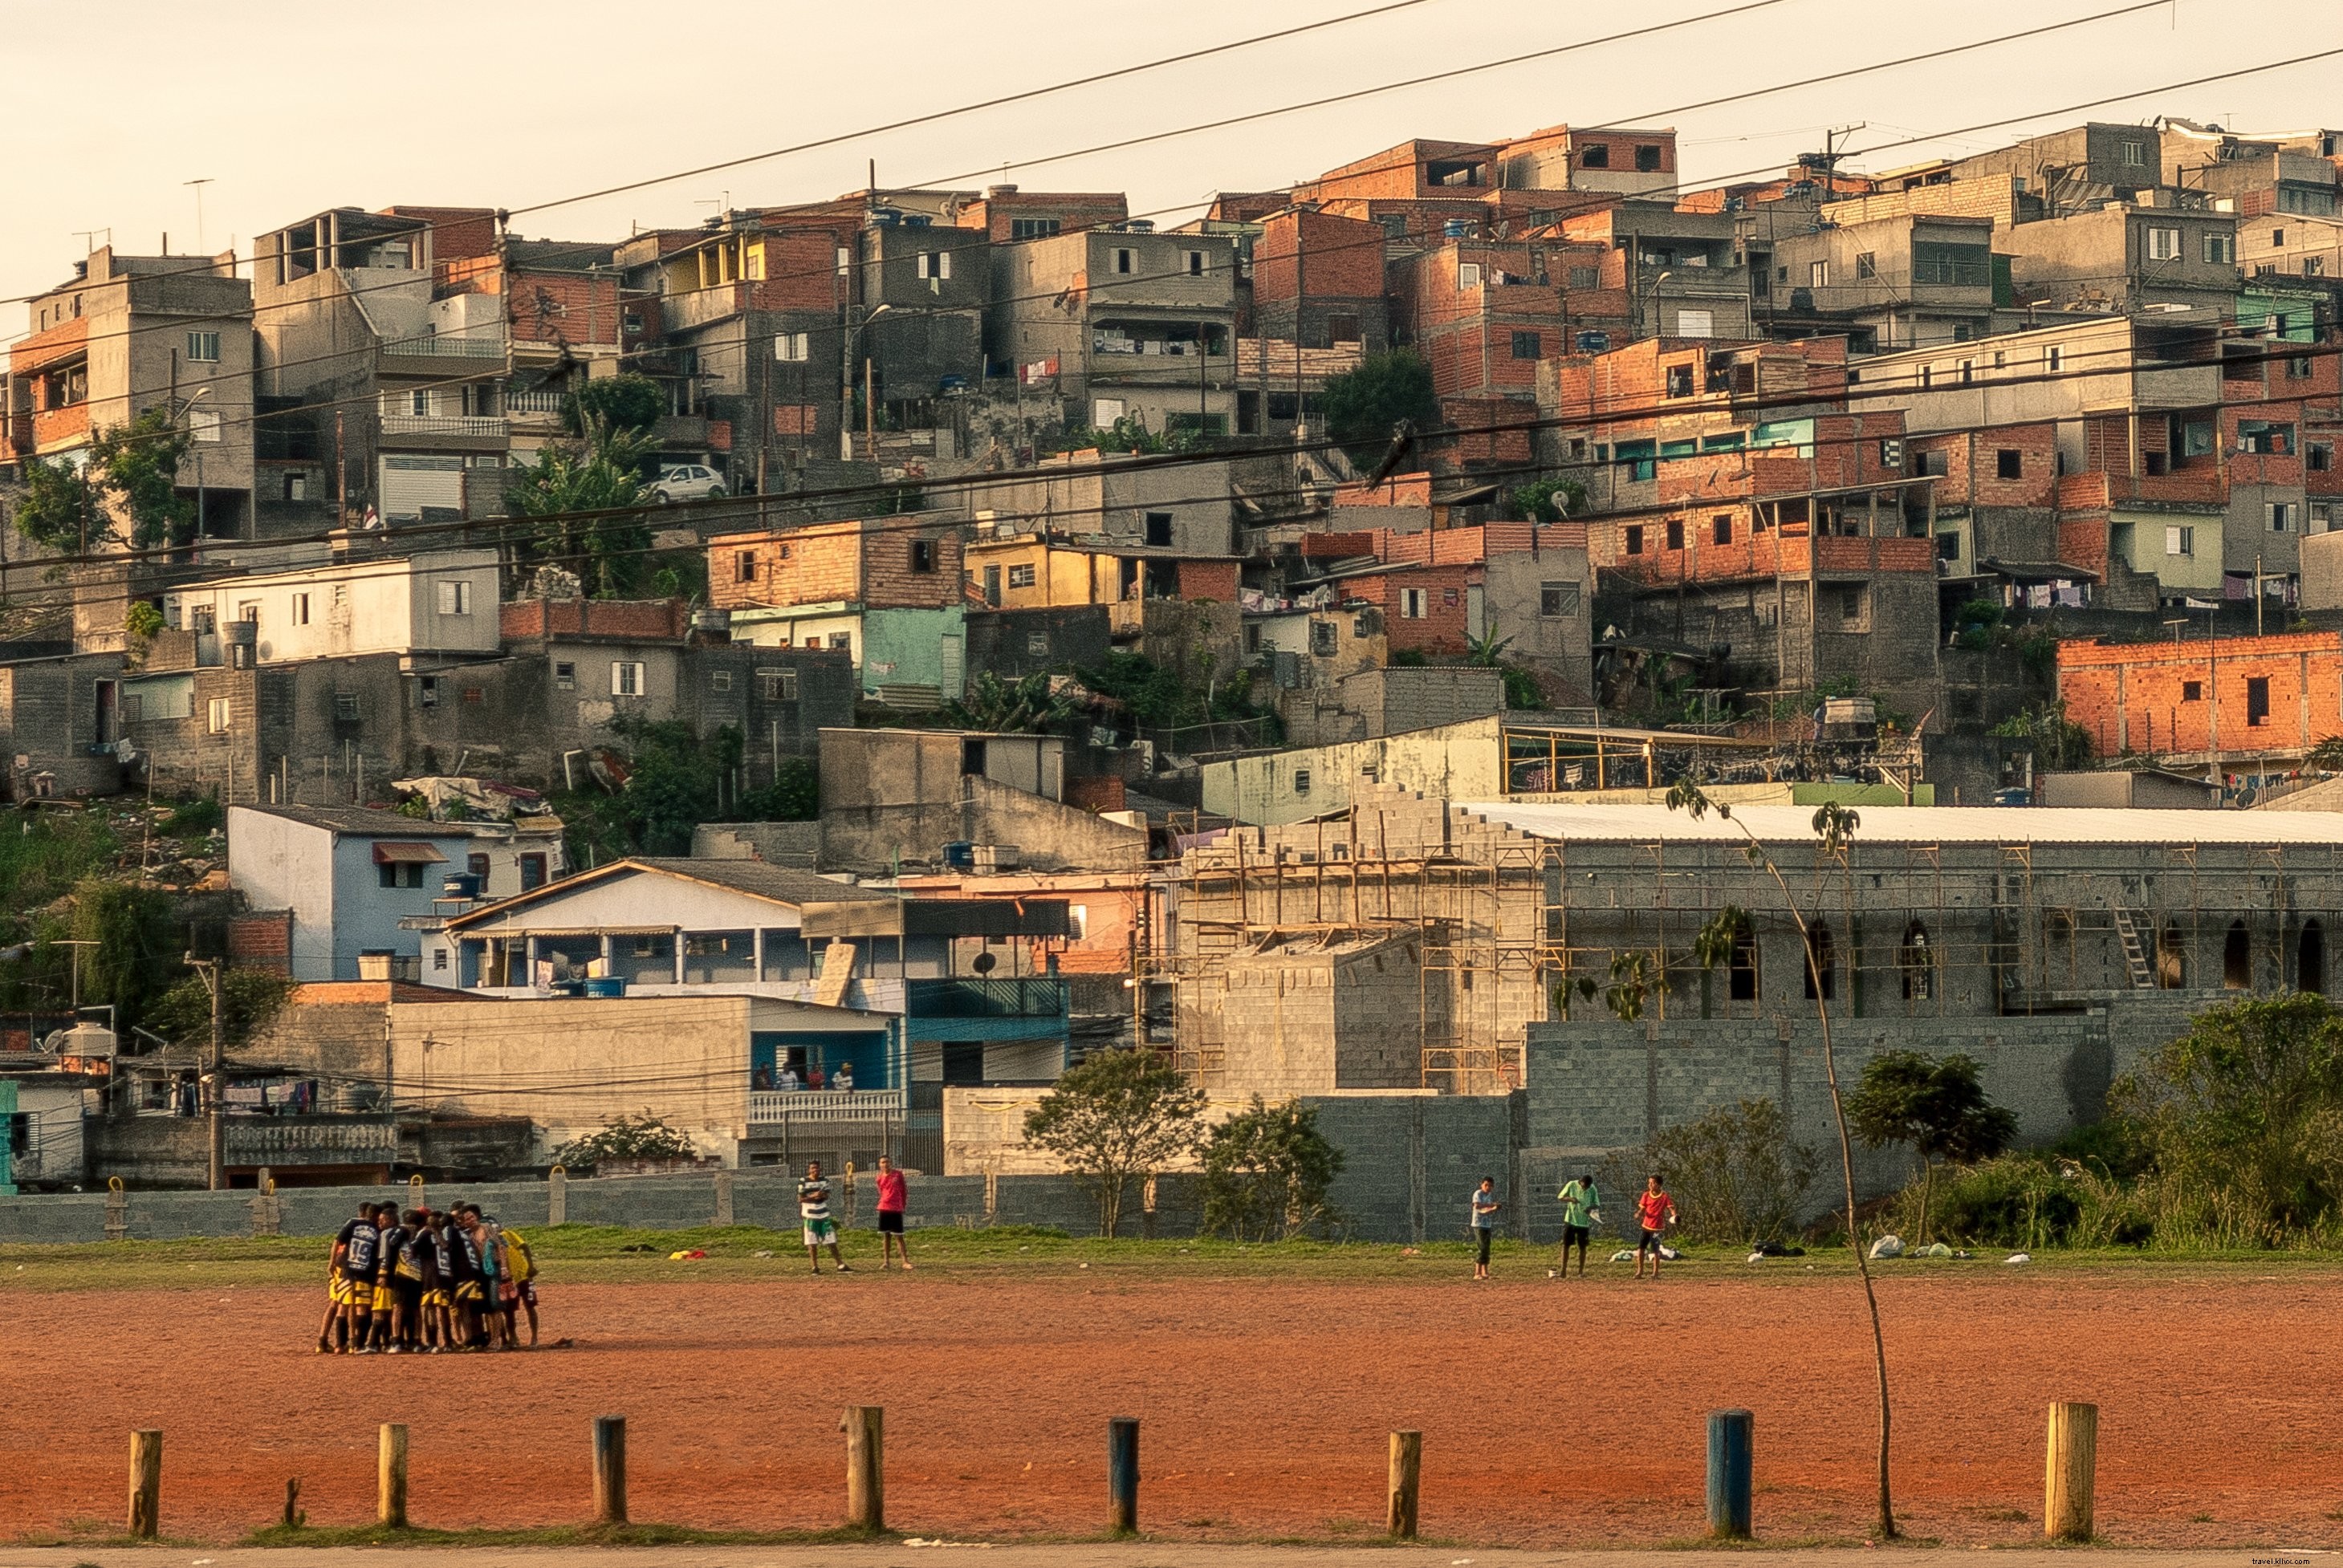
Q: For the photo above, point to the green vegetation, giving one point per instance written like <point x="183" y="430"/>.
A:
<point x="1545" y="500"/>
<point x="1363" y="406"/>
<point x="1488" y="652"/>
<point x="2055" y="742"/>
<point x="1024" y="707"/>
<point x="629" y="403"/>
<point x="1116" y="1116"/>
<point x="678" y="781"/>
<point x="1266" y="1173"/>
<point x="623" y="1137"/>
<point x="1934" y="1106"/>
<point x="131" y="477"/>
<point x="1735" y="1174"/>
<point x="1156" y="697"/>
<point x="249" y="1001"/>
<point x="601" y="468"/>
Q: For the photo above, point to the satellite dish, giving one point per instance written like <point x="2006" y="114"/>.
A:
<point x="982" y="963"/>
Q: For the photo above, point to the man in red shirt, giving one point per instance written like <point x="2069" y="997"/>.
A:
<point x="893" y="1198"/>
<point x="1654" y="1212"/>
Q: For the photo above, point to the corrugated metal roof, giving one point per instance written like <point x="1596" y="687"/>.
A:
<point x="1921" y="825"/>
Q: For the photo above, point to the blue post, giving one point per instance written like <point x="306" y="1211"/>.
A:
<point x="1122" y="1473"/>
<point x="1729" y="1466"/>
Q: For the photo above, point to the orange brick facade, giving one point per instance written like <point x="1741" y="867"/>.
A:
<point x="2235" y="696"/>
<point x="884" y="565"/>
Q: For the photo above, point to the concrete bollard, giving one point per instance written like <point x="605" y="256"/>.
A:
<point x="2071" y="1472"/>
<point x="146" y="1485"/>
<point x="610" y="1470"/>
<point x="117" y="1211"/>
<point x="557" y="1196"/>
<point x="723" y="1198"/>
<point x="866" y="1467"/>
<point x="1406" y="1483"/>
<point x="390" y="1477"/>
<point x="1123" y="1474"/>
<point x="1730" y="1468"/>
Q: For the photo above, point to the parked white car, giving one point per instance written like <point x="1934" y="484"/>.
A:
<point x="686" y="482"/>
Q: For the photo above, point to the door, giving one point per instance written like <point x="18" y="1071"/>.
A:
<point x="963" y="1062"/>
<point x="953" y="678"/>
<point x="1474" y="611"/>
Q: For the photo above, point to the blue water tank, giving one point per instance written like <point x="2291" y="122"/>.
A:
<point x="1457" y="229"/>
<point x="959" y="854"/>
<point x="606" y="986"/>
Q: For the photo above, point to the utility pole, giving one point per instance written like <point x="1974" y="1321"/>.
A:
<point x="217" y="1164"/>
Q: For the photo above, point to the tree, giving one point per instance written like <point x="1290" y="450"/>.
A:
<point x="1932" y="1104"/>
<point x="2056" y="741"/>
<point x="130" y="958"/>
<point x="1267" y="1171"/>
<point x="131" y="477"/>
<point x="600" y="477"/>
<point x="2242" y="1117"/>
<point x="249" y="1001"/>
<point x="1735" y="1172"/>
<point x="622" y="1137"/>
<point x="1833" y="828"/>
<point x="1488" y="652"/>
<point x="1000" y="707"/>
<point x="1546" y="501"/>
<point x="630" y="404"/>
<point x="1363" y="406"/>
<point x="1116" y="1116"/>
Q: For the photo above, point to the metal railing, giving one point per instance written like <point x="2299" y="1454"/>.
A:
<point x="984" y="998"/>
<point x="805" y="1106"/>
<point x="442" y="424"/>
<point x="535" y="402"/>
<point x="437" y="348"/>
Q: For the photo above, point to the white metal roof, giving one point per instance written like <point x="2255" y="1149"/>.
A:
<point x="1921" y="824"/>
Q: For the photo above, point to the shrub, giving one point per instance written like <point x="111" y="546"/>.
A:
<point x="1266" y="1172"/>
<point x="644" y="1136"/>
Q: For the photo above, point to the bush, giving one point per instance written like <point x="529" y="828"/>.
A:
<point x="644" y="1136"/>
<point x="1266" y="1172"/>
<point x="203" y="814"/>
<point x="1736" y="1175"/>
<point x="2029" y="1201"/>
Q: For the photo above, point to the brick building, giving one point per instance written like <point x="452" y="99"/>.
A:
<point x="2206" y="700"/>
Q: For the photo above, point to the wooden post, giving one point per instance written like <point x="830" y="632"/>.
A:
<point x="1406" y="1483"/>
<point x="146" y="1485"/>
<point x="2071" y="1472"/>
<point x="1729" y="1468"/>
<point x="390" y="1477"/>
<point x="610" y="1470"/>
<point x="866" y="1467"/>
<point x="1122" y="1473"/>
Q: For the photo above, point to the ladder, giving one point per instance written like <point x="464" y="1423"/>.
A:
<point x="2134" y="957"/>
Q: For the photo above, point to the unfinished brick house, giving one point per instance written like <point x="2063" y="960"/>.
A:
<point x="2205" y="701"/>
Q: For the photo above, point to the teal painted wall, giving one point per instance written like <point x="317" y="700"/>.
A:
<point x="906" y="647"/>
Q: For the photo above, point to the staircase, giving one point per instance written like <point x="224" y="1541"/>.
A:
<point x="2143" y="977"/>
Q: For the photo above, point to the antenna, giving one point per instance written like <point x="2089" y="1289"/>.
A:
<point x="200" y="185"/>
<point x="88" y="235"/>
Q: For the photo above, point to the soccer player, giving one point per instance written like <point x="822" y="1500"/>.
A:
<point x="442" y="1315"/>
<point x="337" y="1300"/>
<point x="389" y="1319"/>
<point x="463" y="1293"/>
<point x="1485" y="1224"/>
<point x="1582" y="1210"/>
<point x="813" y="1214"/>
<point x="524" y="1276"/>
<point x="894" y="1198"/>
<point x="1654" y="1212"/>
<point x="359" y="1243"/>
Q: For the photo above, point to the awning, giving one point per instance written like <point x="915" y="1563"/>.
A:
<point x="406" y="852"/>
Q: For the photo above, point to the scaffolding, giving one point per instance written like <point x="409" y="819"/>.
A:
<point x="1505" y="922"/>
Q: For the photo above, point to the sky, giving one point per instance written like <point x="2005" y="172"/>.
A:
<point x="534" y="101"/>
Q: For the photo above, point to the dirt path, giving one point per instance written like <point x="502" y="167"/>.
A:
<point x="1553" y="1414"/>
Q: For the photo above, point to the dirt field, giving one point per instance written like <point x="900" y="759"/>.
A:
<point x="1551" y="1413"/>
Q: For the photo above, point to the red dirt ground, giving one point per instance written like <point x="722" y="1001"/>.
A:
<point x="1551" y="1413"/>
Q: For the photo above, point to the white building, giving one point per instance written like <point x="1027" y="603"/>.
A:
<point x="444" y="602"/>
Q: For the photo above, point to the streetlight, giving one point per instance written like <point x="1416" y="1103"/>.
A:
<point x="846" y="393"/>
<point x="1656" y="302"/>
<point x="187" y="413"/>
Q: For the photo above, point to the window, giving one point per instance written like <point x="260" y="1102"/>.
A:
<point x="1597" y="156"/>
<point x="2192" y="691"/>
<point x="203" y="425"/>
<point x="565" y="675"/>
<point x="2236" y="958"/>
<point x="203" y="347"/>
<point x="345" y="706"/>
<point x="2318" y="456"/>
<point x="439" y="957"/>
<point x="1822" y="963"/>
<point x="2171" y="967"/>
<point x="1720" y="528"/>
<point x="1948" y="547"/>
<point x="2280" y="516"/>
<point x="2263" y="437"/>
<point x="2008" y="464"/>
<point x="1741" y="969"/>
<point x="744" y="566"/>
<point x="418" y="403"/>
<point x="1818" y="275"/>
<point x="2314" y="266"/>
<point x="399" y="874"/>
<point x="2164" y="245"/>
<point x="777" y="685"/>
<point x="1468" y="274"/>
<point x="455" y="598"/>
<point x="1647" y="158"/>
<point x="426" y="691"/>
<point x="532" y="872"/>
<point x="1324" y="639"/>
<point x="216" y="715"/>
<point x="1411" y="604"/>
<point x="1969" y="372"/>
<point x="794" y="347"/>
<point x="1020" y="576"/>
<point x="2257" y="701"/>
<point x="1557" y="600"/>
<point x="923" y="554"/>
<point x="1854" y="610"/>
<point x="296" y="487"/>
<point x="2179" y="540"/>
<point x="1586" y="278"/>
<point x="1032" y="227"/>
<point x="1696" y="324"/>
<point x="841" y="641"/>
<point x="300" y="610"/>
<point x="1526" y="344"/>
<point x="2054" y="359"/>
<point x="2221" y="249"/>
<point x="1159" y="528"/>
<point x="1680" y="381"/>
<point x="626" y="678"/>
<point x="935" y="264"/>
<point x="1195" y="263"/>
<point x="1635" y="539"/>
<point x="719" y="680"/>
<point x="1301" y="780"/>
<point x="1866" y="265"/>
<point x="2135" y="154"/>
<point x="1126" y="261"/>
<point x="1676" y="533"/>
<point x="1917" y="961"/>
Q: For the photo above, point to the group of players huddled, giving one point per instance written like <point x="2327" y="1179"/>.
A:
<point x="426" y="1281"/>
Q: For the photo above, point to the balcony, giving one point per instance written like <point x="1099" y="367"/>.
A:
<point x="492" y="425"/>
<point x="984" y="999"/>
<point x="446" y="348"/>
<point x="292" y="1140"/>
<point x="812" y="1107"/>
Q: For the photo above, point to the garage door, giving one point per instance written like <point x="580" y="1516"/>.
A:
<point x="410" y="484"/>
